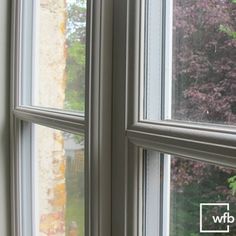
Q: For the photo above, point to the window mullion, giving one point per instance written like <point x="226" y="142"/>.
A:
<point x="98" y="118"/>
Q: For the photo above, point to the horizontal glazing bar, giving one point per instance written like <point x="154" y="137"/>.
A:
<point x="55" y="119"/>
<point x="186" y="146"/>
<point x="222" y="137"/>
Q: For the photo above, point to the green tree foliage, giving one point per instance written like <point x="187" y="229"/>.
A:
<point x="228" y="31"/>
<point x="76" y="24"/>
<point x="76" y="50"/>
<point x="75" y="90"/>
<point x="232" y="183"/>
<point x="75" y="101"/>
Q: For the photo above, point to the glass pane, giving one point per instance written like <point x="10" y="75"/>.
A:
<point x="204" y="47"/>
<point x="176" y="189"/>
<point x="54" y="41"/>
<point x="56" y="166"/>
<point x="196" y="81"/>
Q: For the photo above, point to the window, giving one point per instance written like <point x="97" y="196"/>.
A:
<point x="60" y="163"/>
<point x="123" y="117"/>
<point x="174" y="140"/>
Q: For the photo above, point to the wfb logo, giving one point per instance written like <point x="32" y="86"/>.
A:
<point x="215" y="218"/>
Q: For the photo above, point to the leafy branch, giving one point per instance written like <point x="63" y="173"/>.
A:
<point x="232" y="183"/>
<point x="227" y="30"/>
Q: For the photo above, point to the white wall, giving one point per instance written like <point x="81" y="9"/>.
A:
<point x="4" y="118"/>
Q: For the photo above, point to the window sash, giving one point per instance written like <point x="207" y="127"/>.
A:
<point x="206" y="142"/>
<point x="130" y="60"/>
<point x="95" y="125"/>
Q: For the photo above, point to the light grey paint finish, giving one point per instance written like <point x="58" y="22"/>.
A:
<point x="96" y="124"/>
<point x="152" y="193"/>
<point x="4" y="118"/>
<point x="209" y="143"/>
<point x="98" y="117"/>
<point x="132" y="192"/>
<point x="126" y="64"/>
<point x="119" y="151"/>
<point x="56" y="119"/>
<point x="105" y="118"/>
<point x="212" y="145"/>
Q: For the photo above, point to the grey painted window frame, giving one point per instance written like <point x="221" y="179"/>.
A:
<point x="130" y="135"/>
<point x="113" y="128"/>
<point x="96" y="124"/>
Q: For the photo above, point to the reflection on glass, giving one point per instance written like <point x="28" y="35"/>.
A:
<point x="204" y="49"/>
<point x="58" y="54"/>
<point x="174" y="189"/>
<point x="58" y="182"/>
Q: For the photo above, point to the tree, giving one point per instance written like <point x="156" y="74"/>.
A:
<point x="75" y="100"/>
<point x="76" y="50"/>
<point x="204" y="90"/>
<point x="204" y="65"/>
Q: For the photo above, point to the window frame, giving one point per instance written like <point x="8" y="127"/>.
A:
<point x="112" y="123"/>
<point x="96" y="124"/>
<point x="206" y="142"/>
